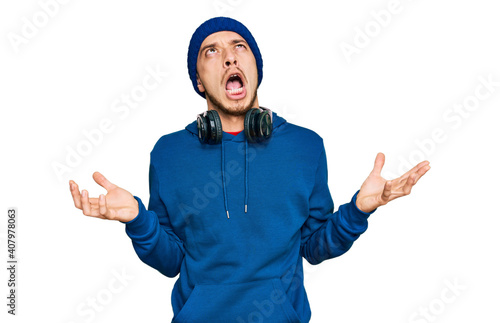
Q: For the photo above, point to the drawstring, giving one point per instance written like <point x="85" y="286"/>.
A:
<point x="224" y="179"/>
<point x="246" y="175"/>
<point x="223" y="166"/>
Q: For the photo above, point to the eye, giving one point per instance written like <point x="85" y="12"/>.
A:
<point x="211" y="50"/>
<point x="240" y="46"/>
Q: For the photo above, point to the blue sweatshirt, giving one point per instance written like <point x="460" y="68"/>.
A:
<point x="234" y="221"/>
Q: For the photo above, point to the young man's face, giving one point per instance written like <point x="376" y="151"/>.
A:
<point x="227" y="73"/>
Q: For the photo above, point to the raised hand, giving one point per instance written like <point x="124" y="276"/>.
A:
<point x="117" y="204"/>
<point x="377" y="191"/>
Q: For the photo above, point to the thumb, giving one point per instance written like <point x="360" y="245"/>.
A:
<point x="101" y="180"/>
<point x="379" y="163"/>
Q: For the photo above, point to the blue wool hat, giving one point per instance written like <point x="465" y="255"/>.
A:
<point x="212" y="26"/>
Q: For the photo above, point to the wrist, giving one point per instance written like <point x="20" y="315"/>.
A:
<point x="361" y="206"/>
<point x="133" y="212"/>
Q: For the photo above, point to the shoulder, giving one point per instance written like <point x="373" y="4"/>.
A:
<point x="297" y="144"/>
<point x="172" y="143"/>
<point x="299" y="135"/>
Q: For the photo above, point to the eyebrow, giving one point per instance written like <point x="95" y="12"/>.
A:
<point x="233" y="42"/>
<point x="237" y="41"/>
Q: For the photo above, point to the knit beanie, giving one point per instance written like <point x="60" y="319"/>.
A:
<point x="212" y="26"/>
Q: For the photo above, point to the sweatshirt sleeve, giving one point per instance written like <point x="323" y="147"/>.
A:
<point x="325" y="234"/>
<point x="152" y="235"/>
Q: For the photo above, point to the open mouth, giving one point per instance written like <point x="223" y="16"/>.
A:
<point x="234" y="85"/>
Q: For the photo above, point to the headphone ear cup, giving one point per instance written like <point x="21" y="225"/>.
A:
<point x="264" y="125"/>
<point x="250" y="124"/>
<point x="201" y="122"/>
<point x="215" y="127"/>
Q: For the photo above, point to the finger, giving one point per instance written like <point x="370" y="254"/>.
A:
<point x="386" y="194"/>
<point x="95" y="214"/>
<point x="94" y="205"/>
<point x="379" y="163"/>
<point x="418" y="169"/>
<point x="98" y="216"/>
<point x="418" y="166"/>
<point x="94" y="201"/>
<point x="409" y="184"/>
<point x="421" y="172"/>
<point x="94" y="209"/>
<point x="101" y="180"/>
<point x="75" y="193"/>
<point x="85" y="203"/>
<point x="102" y="204"/>
<point x="403" y="178"/>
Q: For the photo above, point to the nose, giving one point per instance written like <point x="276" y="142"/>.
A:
<point x="230" y="59"/>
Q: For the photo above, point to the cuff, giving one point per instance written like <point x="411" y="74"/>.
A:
<point x="357" y="218"/>
<point x="353" y="201"/>
<point x="141" y="222"/>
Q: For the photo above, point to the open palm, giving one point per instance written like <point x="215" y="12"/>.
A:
<point x="377" y="191"/>
<point x="117" y="204"/>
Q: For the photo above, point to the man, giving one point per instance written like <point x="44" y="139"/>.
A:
<point x="239" y="196"/>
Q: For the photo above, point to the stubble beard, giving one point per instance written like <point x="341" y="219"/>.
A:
<point x="238" y="111"/>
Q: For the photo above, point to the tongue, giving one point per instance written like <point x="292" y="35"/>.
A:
<point x="235" y="84"/>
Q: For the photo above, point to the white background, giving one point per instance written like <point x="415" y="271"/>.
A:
<point x="396" y="91"/>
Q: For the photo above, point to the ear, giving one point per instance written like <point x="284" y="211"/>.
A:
<point x="201" y="88"/>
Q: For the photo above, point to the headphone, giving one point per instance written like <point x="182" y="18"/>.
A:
<point x="258" y="126"/>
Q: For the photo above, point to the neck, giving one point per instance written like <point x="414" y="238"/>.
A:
<point x="232" y="122"/>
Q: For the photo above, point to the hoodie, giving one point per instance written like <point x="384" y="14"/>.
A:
<point x="234" y="221"/>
